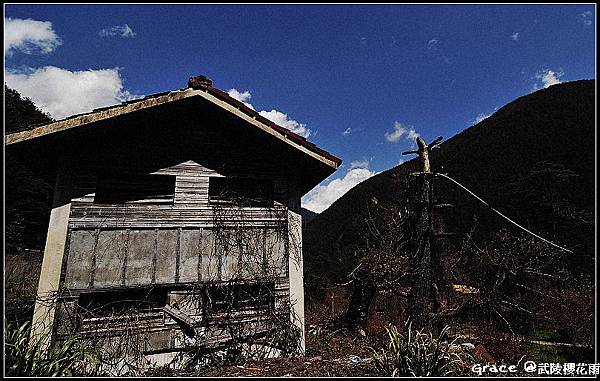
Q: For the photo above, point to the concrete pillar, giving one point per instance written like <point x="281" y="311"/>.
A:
<point x="49" y="283"/>
<point x="296" y="274"/>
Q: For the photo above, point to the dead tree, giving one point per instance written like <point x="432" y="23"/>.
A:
<point x="424" y="298"/>
<point x="390" y="236"/>
<point x="383" y="265"/>
<point x="363" y="294"/>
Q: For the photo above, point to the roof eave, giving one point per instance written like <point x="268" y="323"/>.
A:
<point x="211" y="94"/>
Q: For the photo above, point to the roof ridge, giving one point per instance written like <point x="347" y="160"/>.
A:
<point x="195" y="83"/>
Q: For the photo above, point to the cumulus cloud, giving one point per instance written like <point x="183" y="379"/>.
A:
<point x="347" y="131"/>
<point x="61" y="92"/>
<point x="117" y="30"/>
<point x="242" y="97"/>
<point x="586" y="18"/>
<point x="548" y="78"/>
<point x="322" y="196"/>
<point x="481" y="117"/>
<point x="514" y="36"/>
<point x="399" y="132"/>
<point x="274" y="116"/>
<point x="29" y="36"/>
<point x="359" y="164"/>
<point x="282" y="119"/>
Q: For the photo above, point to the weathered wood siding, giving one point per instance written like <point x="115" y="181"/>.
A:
<point x="113" y="258"/>
<point x="133" y="244"/>
<point x="179" y="246"/>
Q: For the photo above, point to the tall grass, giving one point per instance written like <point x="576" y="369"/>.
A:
<point x="61" y="358"/>
<point x="417" y="354"/>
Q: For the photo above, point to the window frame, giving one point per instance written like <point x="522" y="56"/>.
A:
<point x="114" y="188"/>
<point x="261" y="186"/>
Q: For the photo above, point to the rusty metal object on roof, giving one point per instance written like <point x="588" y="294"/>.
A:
<point x="199" y="82"/>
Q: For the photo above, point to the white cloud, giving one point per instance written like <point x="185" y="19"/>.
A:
<point x="586" y="18"/>
<point x="514" y="36"/>
<point x="412" y="135"/>
<point x="274" y="116"/>
<point x="322" y="196"/>
<point x="548" y="78"/>
<point x="29" y="36"/>
<point x="437" y="51"/>
<point x="481" y="117"/>
<point x="400" y="131"/>
<point x="61" y="92"/>
<point x="359" y="164"/>
<point x="242" y="97"/>
<point x="282" y="119"/>
<point x="117" y="30"/>
<point x="347" y="131"/>
<point x="432" y="44"/>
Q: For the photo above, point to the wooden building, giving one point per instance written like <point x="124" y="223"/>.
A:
<point x="175" y="224"/>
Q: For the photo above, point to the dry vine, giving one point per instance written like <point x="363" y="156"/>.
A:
<point x="240" y="309"/>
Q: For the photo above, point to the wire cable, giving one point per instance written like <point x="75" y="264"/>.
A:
<point x="500" y="214"/>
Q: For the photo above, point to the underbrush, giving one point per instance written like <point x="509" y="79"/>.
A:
<point x="418" y="353"/>
<point x="60" y="359"/>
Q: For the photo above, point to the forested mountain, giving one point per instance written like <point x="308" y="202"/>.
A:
<point x="27" y="197"/>
<point x="534" y="160"/>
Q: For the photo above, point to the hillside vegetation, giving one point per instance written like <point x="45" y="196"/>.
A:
<point x="533" y="160"/>
<point x="27" y="201"/>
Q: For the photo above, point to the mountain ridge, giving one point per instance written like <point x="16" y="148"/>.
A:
<point x="549" y="131"/>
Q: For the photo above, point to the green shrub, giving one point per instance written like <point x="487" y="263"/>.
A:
<point x="62" y="358"/>
<point x="416" y="354"/>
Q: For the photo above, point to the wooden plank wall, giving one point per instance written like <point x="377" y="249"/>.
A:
<point x="144" y="244"/>
<point x="133" y="257"/>
<point x="182" y="246"/>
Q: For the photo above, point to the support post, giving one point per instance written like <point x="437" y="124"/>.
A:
<point x="295" y="269"/>
<point x="48" y="286"/>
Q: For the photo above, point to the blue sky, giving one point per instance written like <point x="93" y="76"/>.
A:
<point x="382" y="74"/>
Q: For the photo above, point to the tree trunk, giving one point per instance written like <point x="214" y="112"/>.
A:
<point x="363" y="294"/>
<point x="423" y="300"/>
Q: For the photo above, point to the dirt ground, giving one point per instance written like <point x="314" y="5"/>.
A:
<point x="332" y="351"/>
